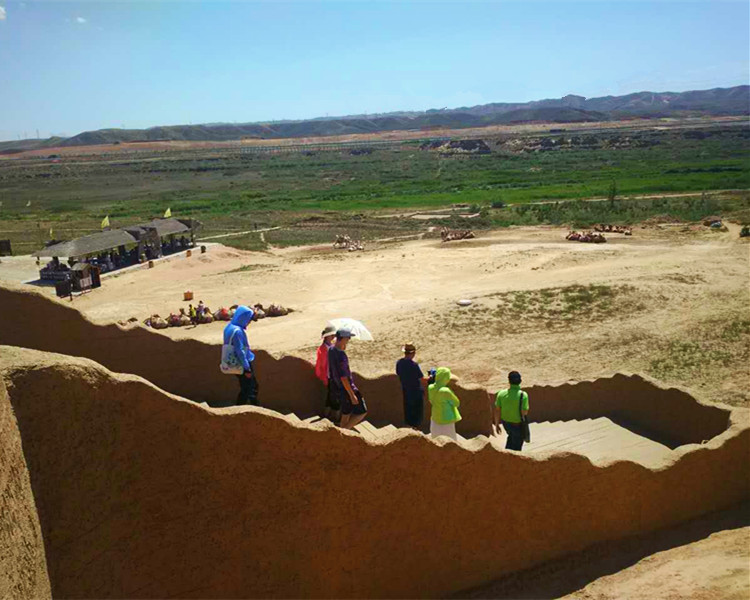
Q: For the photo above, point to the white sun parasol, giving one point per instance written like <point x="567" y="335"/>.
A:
<point x="359" y="331"/>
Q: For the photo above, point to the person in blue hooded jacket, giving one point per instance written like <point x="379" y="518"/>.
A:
<point x="235" y="331"/>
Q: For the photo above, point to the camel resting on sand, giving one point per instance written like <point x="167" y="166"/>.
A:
<point x="587" y="237"/>
<point x="342" y="242"/>
<point x="448" y="235"/>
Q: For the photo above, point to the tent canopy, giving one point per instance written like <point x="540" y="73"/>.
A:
<point x="166" y="227"/>
<point x="89" y="244"/>
<point x="109" y="240"/>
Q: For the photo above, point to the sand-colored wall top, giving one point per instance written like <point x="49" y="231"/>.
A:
<point x="189" y="368"/>
<point x="142" y="494"/>
<point x="23" y="567"/>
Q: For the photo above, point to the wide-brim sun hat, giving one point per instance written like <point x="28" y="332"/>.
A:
<point x="408" y="348"/>
<point x="329" y="330"/>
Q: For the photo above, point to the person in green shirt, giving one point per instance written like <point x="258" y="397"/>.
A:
<point x="445" y="403"/>
<point x="509" y="406"/>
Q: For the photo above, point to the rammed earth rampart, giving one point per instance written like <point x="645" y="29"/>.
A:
<point x="140" y="493"/>
<point x="189" y="368"/>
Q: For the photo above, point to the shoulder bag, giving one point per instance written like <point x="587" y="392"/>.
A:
<point x="524" y="419"/>
<point x="230" y="362"/>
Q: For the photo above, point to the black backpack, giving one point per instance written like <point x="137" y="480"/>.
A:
<point x="524" y="418"/>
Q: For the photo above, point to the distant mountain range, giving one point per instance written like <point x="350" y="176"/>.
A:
<point x="569" y="109"/>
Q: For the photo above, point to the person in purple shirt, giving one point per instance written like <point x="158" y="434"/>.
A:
<point x="353" y="407"/>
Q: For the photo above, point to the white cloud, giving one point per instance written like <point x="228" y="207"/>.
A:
<point x="80" y="20"/>
<point x="2" y="13"/>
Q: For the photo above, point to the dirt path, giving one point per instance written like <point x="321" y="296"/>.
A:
<point x="644" y="197"/>
<point x="238" y="233"/>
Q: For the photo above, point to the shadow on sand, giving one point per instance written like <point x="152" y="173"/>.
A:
<point x="558" y="578"/>
<point x="40" y="283"/>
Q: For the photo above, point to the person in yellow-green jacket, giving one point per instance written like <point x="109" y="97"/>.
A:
<point x="445" y="405"/>
<point x="511" y="406"/>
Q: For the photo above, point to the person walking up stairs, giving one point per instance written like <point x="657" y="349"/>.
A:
<point x="353" y="407"/>
<point x="509" y="407"/>
<point x="445" y="403"/>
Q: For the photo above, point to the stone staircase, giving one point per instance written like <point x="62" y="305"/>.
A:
<point x="598" y="439"/>
<point x="595" y="438"/>
<point x="366" y="429"/>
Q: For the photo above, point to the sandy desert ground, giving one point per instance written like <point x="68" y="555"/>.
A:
<point x="706" y="558"/>
<point x="671" y="301"/>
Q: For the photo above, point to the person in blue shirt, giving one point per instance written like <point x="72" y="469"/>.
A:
<point x="235" y="331"/>
<point x="413" y="382"/>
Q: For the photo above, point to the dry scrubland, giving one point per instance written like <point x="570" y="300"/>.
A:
<point x="313" y="194"/>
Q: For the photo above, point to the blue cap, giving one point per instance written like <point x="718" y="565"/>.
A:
<point x="344" y="333"/>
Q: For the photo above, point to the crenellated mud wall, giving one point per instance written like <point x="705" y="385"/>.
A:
<point x="23" y="568"/>
<point x="142" y="494"/>
<point x="189" y="368"/>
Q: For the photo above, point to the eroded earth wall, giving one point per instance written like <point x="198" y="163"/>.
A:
<point x="23" y="568"/>
<point x="189" y="368"/>
<point x="143" y="494"/>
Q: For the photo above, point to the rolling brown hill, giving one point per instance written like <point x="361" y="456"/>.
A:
<point x="569" y="109"/>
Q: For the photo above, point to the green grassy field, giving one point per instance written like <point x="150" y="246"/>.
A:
<point x="233" y="191"/>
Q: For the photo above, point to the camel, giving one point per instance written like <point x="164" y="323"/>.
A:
<point x="608" y="228"/>
<point x="221" y="315"/>
<point x="206" y="317"/>
<point x="277" y="311"/>
<point x="448" y="235"/>
<point x="156" y="322"/>
<point x="588" y="237"/>
<point x="342" y="242"/>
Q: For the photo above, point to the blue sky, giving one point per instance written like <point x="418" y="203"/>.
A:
<point x="66" y="67"/>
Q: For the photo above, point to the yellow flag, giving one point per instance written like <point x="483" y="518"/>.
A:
<point x="50" y="233"/>
<point x="105" y="222"/>
<point x="167" y="213"/>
